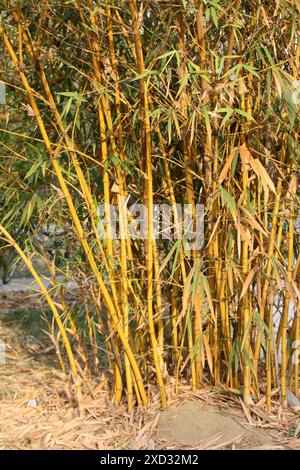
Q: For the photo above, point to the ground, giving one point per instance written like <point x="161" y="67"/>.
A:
<point x="35" y="412"/>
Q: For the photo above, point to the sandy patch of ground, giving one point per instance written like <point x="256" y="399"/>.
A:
<point x="195" y="422"/>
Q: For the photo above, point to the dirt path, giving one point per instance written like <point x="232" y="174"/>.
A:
<point x="28" y="284"/>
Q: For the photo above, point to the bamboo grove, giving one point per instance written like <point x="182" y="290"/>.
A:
<point x="160" y="102"/>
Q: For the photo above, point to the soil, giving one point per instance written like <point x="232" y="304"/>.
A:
<point x="194" y="422"/>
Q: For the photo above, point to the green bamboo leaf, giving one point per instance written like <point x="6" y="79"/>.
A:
<point x="228" y="200"/>
<point x="172" y="251"/>
<point x="229" y="112"/>
<point x="246" y="330"/>
<point x="183" y="84"/>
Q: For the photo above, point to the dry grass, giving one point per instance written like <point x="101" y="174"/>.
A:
<point x="54" y="424"/>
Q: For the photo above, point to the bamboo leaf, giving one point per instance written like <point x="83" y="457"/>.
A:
<point x="228" y="200"/>
<point x="248" y="281"/>
<point x="261" y="172"/>
<point x="227" y="165"/>
<point x="208" y="353"/>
